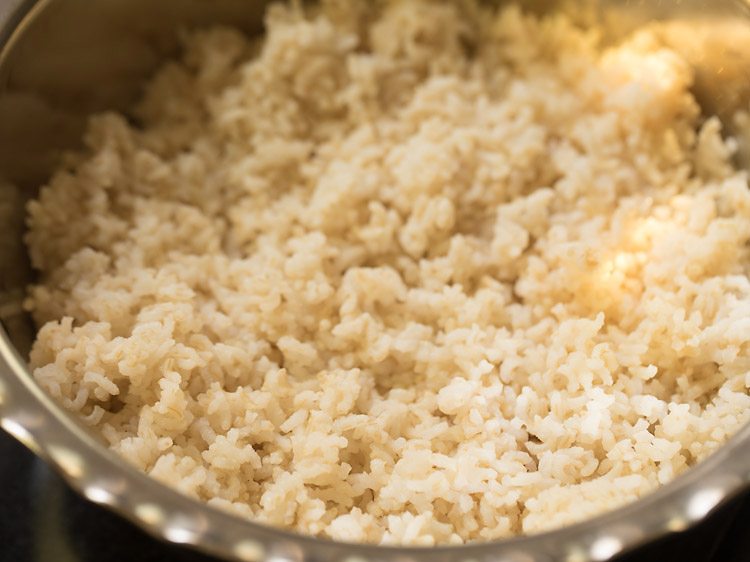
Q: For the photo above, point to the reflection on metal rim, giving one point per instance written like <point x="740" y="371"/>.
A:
<point x="36" y="420"/>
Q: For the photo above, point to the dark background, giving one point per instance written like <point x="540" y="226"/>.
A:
<point x="41" y="520"/>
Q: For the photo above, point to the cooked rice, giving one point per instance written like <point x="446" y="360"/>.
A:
<point x="411" y="272"/>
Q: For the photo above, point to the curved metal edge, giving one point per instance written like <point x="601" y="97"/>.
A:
<point x="15" y="15"/>
<point x="11" y="13"/>
<point x="37" y="421"/>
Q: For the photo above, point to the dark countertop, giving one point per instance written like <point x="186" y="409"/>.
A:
<point x="41" y="520"/>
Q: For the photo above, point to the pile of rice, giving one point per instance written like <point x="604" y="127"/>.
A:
<point x="402" y="272"/>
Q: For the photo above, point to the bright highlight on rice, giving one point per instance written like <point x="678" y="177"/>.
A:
<point x="402" y="272"/>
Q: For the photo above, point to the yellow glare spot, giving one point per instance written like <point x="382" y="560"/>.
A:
<point x="647" y="231"/>
<point x="622" y="261"/>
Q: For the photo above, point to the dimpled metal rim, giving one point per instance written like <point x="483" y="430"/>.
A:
<point x="98" y="474"/>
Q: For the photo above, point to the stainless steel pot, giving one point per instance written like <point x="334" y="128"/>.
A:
<point x="60" y="60"/>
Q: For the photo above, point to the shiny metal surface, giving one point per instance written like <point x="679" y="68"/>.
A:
<point x="60" y="60"/>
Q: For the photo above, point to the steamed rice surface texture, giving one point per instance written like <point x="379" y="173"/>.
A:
<point x="402" y="272"/>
